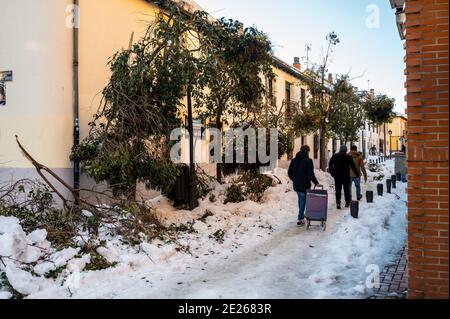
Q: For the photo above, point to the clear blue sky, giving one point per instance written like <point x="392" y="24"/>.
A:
<point x="374" y="54"/>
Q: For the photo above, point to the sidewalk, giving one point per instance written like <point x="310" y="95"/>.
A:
<point x="394" y="281"/>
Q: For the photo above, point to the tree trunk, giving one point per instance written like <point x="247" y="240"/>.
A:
<point x="219" y="165"/>
<point x="323" y="150"/>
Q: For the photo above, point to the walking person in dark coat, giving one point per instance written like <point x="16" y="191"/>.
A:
<point x="301" y="172"/>
<point x="340" y="165"/>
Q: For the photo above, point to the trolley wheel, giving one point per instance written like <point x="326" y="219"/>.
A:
<point x="324" y="226"/>
<point x="308" y="224"/>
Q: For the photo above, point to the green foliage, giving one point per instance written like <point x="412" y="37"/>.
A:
<point x="230" y="85"/>
<point x="205" y="216"/>
<point x="234" y="194"/>
<point x="55" y="272"/>
<point x="98" y="262"/>
<point x="129" y="138"/>
<point x="324" y="95"/>
<point x="185" y="228"/>
<point x="204" y="186"/>
<point x="142" y="103"/>
<point x="235" y="57"/>
<point x="218" y="236"/>
<point x="256" y="185"/>
<point x="251" y="185"/>
<point x="349" y="117"/>
<point x="379" y="108"/>
<point x="305" y="122"/>
<point x="37" y="211"/>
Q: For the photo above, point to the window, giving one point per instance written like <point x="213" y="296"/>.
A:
<point x="303" y="97"/>
<point x="288" y="98"/>
<point x="316" y="146"/>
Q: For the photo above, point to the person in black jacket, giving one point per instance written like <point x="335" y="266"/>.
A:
<point x="340" y="165"/>
<point x="301" y="172"/>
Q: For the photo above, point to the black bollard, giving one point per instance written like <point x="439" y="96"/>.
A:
<point x="389" y="185"/>
<point x="369" y="196"/>
<point x="394" y="181"/>
<point x="354" y="209"/>
<point x="399" y="177"/>
<point x="380" y="189"/>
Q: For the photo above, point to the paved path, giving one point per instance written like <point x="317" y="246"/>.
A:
<point x="394" y="279"/>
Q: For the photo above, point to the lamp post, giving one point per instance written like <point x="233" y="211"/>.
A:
<point x="390" y="141"/>
<point x="193" y="201"/>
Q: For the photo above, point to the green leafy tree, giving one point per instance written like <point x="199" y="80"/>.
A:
<point x="129" y="137"/>
<point x="218" y="61"/>
<point x="379" y="108"/>
<point x="325" y="100"/>
<point x="230" y="87"/>
<point x="349" y="117"/>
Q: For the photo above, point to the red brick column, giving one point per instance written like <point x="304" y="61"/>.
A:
<point x="427" y="99"/>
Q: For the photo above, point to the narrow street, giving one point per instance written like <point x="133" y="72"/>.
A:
<point x="291" y="263"/>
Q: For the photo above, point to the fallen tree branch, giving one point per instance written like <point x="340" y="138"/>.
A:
<point x="39" y="168"/>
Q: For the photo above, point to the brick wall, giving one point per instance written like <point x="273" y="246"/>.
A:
<point x="427" y="98"/>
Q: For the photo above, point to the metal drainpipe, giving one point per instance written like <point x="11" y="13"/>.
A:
<point x="76" y="123"/>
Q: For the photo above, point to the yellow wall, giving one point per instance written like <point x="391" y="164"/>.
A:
<point x="36" y="45"/>
<point x="105" y="27"/>
<point x="399" y="129"/>
<point x="279" y="92"/>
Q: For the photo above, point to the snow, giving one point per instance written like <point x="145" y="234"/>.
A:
<point x="37" y="237"/>
<point x="13" y="241"/>
<point x="56" y="260"/>
<point x="5" y="295"/>
<point x="21" y="280"/>
<point x="263" y="253"/>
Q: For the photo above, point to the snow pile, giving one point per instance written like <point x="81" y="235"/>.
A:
<point x="14" y="242"/>
<point x="15" y="249"/>
<point x="26" y="259"/>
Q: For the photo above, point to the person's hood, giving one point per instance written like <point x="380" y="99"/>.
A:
<point x="354" y="154"/>
<point x="302" y="155"/>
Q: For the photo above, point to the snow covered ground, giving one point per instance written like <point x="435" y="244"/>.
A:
<point x="244" y="250"/>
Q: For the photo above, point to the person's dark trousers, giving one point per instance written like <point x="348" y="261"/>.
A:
<point x="346" y="184"/>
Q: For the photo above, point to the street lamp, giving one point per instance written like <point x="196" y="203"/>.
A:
<point x="390" y="141"/>
<point x="192" y="201"/>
